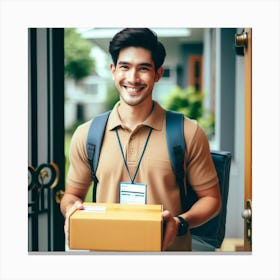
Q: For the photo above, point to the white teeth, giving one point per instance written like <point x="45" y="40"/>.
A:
<point x="132" y="90"/>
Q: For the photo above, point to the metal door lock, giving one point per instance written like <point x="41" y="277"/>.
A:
<point x="247" y="216"/>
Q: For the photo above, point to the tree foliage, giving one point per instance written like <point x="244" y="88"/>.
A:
<point x="187" y="101"/>
<point x="190" y="102"/>
<point x="112" y="97"/>
<point x="78" y="62"/>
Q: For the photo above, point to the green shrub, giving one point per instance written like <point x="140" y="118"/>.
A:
<point x="112" y="97"/>
<point x="78" y="61"/>
<point x="190" y="102"/>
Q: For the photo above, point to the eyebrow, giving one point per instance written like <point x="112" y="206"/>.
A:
<point x="146" y="64"/>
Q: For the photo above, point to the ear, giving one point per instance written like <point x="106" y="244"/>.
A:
<point x="113" y="69"/>
<point x="159" y="74"/>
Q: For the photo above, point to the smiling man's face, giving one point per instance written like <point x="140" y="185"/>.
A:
<point x="135" y="75"/>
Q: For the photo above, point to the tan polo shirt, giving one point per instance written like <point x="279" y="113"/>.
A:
<point x="155" y="169"/>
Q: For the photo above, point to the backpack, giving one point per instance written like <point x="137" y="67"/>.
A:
<point x="213" y="231"/>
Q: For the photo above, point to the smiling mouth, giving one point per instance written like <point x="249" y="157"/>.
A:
<point x="133" y="89"/>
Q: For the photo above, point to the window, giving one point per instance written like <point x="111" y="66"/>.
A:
<point x="195" y="72"/>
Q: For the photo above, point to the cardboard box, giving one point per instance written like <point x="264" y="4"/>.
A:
<point x="116" y="227"/>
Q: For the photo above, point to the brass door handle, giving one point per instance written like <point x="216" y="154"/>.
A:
<point x="241" y="40"/>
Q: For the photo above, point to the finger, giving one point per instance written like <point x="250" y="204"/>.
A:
<point x="167" y="237"/>
<point x="164" y="244"/>
<point x="76" y="206"/>
<point x="66" y="232"/>
<point x="170" y="230"/>
<point x="165" y="215"/>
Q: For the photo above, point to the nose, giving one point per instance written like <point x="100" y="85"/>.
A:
<point x="133" y="76"/>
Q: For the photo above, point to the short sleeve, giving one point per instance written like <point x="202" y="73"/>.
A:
<point x="79" y="170"/>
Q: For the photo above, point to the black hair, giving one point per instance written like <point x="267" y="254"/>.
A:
<point x="137" y="37"/>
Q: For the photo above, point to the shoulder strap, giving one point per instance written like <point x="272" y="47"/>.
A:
<point x="93" y="145"/>
<point x="176" y="149"/>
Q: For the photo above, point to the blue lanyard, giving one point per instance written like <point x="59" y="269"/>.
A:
<point x="125" y="163"/>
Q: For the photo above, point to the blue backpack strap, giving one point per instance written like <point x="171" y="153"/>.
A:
<point x="176" y="149"/>
<point x="93" y="145"/>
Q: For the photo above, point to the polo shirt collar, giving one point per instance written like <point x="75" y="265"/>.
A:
<point x="154" y="120"/>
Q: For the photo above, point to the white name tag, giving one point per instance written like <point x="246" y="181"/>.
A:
<point x="133" y="193"/>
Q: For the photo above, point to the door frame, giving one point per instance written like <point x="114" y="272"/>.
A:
<point x="248" y="138"/>
<point x="46" y="136"/>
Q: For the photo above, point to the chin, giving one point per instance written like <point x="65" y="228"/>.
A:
<point x="134" y="100"/>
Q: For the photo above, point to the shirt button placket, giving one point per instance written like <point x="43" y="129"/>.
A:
<point x="131" y="149"/>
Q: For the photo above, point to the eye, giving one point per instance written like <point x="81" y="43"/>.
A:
<point x="144" y="69"/>
<point x="123" y="67"/>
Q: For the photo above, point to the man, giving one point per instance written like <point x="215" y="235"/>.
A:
<point x="137" y="122"/>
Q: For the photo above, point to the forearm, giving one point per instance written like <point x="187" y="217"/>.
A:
<point x="70" y="196"/>
<point x="202" y="211"/>
<point x="67" y="201"/>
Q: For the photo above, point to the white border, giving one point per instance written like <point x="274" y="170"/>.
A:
<point x="17" y="16"/>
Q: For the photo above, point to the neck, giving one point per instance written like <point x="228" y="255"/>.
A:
<point x="131" y="116"/>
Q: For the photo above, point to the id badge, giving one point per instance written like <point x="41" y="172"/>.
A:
<point x="133" y="193"/>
